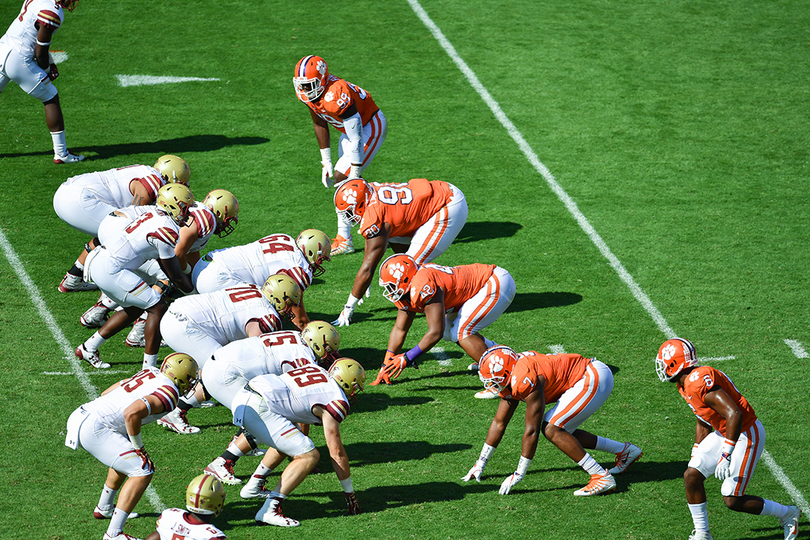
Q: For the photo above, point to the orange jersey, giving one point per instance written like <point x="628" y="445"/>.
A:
<point x="459" y="283"/>
<point x="703" y="379"/>
<point x="405" y="207"/>
<point x="560" y="372"/>
<point x="337" y="97"/>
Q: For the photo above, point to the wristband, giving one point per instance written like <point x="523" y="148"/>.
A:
<point x="486" y="452"/>
<point x="352" y="302"/>
<point x="137" y="442"/>
<point x="347" y="485"/>
<point x="413" y="354"/>
<point x="523" y="465"/>
<point x="41" y="44"/>
<point x="326" y="155"/>
<point x="728" y="448"/>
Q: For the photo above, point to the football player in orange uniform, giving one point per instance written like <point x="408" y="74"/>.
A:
<point x="352" y="111"/>
<point x="729" y="439"/>
<point x="577" y="385"/>
<point x="420" y="218"/>
<point x="458" y="302"/>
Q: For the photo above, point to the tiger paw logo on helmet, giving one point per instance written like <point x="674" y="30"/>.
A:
<point x="397" y="270"/>
<point x="350" y="196"/>
<point x="321" y="67"/>
<point x="495" y="364"/>
<point x="668" y="352"/>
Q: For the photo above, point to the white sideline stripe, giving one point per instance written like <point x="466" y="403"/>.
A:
<point x="59" y="56"/>
<point x="556" y="349"/>
<point x="797" y="348"/>
<point x="717" y="358"/>
<point x="783" y="479"/>
<point x="147" y="80"/>
<point x="441" y="356"/>
<point x="571" y="206"/>
<point x="61" y="340"/>
<point x="97" y="372"/>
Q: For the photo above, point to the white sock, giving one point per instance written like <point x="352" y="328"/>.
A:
<point x="233" y="449"/>
<point x="107" y="302"/>
<point x="94" y="342"/>
<point x="59" y="144"/>
<point x="488" y="342"/>
<point x="700" y="516"/>
<point x="117" y="521"/>
<point x="344" y="228"/>
<point x="78" y="265"/>
<point x="107" y="497"/>
<point x="260" y="474"/>
<point x="772" y="508"/>
<point x="150" y="360"/>
<point x="590" y="465"/>
<point x="608" y="445"/>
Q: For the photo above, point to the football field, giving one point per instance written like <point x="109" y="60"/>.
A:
<point x="640" y="168"/>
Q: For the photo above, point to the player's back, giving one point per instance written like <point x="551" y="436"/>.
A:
<point x="257" y="261"/>
<point x="405" y="206"/>
<point x="153" y="235"/>
<point x="295" y="393"/>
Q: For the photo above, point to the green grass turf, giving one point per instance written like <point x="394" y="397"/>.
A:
<point x="678" y="128"/>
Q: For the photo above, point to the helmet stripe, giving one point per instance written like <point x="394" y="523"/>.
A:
<point x="302" y="68"/>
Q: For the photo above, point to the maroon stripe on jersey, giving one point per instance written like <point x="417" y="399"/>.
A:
<point x="168" y="396"/>
<point x="205" y="220"/>
<point x="166" y="235"/>
<point x="268" y="323"/>
<point x="284" y="434"/>
<point x="49" y="18"/>
<point x="339" y="409"/>
<point x="297" y="275"/>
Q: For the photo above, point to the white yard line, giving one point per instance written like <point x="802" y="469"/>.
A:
<point x="149" y="80"/>
<point x="569" y="203"/>
<point x="797" y="348"/>
<point x="441" y="356"/>
<point x="60" y="339"/>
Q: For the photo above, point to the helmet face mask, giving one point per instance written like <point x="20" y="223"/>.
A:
<point x="173" y="169"/>
<point x="205" y="495"/>
<point x="311" y="74"/>
<point x="176" y="200"/>
<point x="495" y="367"/>
<point x="283" y="293"/>
<point x="674" y="356"/>
<point x="181" y="369"/>
<point x="349" y="375"/>
<point x="323" y="339"/>
<point x="351" y="199"/>
<point x="316" y="247"/>
<point x="69" y="5"/>
<point x="396" y="274"/>
<point x="226" y="210"/>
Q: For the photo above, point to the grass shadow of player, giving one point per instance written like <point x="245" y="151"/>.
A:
<point x="486" y="230"/>
<point x="542" y="300"/>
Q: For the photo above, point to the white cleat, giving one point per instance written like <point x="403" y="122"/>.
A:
<point x="91" y="358"/>
<point x="625" y="458"/>
<point x="137" y="336"/>
<point x="341" y="246"/>
<point x="176" y="421"/>
<point x="486" y="394"/>
<point x="701" y="535"/>
<point x="255" y="490"/>
<point x="791" y="523"/>
<point x="69" y="158"/>
<point x="270" y="514"/>
<point x="222" y="469"/>
<point x="95" y="317"/>
<point x="600" y="483"/>
<point x="119" y="536"/>
<point x="71" y="283"/>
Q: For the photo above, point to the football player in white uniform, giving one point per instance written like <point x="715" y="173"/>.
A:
<point x="25" y="59"/>
<point x="205" y="498"/>
<point x="84" y="201"/>
<point x="200" y="324"/>
<point x="112" y="267"/>
<point x="299" y="258"/>
<point x="232" y="366"/>
<point x="109" y="428"/>
<point x="269" y="406"/>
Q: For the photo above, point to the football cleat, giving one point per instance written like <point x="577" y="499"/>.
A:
<point x="255" y="489"/>
<point x="95" y="317"/>
<point x="701" y="535"/>
<point x="91" y="358"/>
<point x="98" y="513"/>
<point x="177" y="422"/>
<point x="136" y="336"/>
<point x="69" y="158"/>
<point x="791" y="523"/>
<point x="119" y="536"/>
<point x="222" y="470"/>
<point x="473" y="367"/>
<point x="600" y="483"/>
<point x="71" y="283"/>
<point x="341" y="246"/>
<point x="487" y="393"/>
<point x="270" y="514"/>
<point x="625" y="458"/>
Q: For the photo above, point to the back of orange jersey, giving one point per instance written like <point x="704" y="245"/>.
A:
<point x="560" y="372"/>
<point x="459" y="283"/>
<point x="405" y="207"/>
<point x="701" y="381"/>
<point x="338" y="97"/>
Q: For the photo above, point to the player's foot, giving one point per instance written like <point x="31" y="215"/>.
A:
<point x="255" y="489"/>
<point x="91" y="358"/>
<point x="487" y="393"/>
<point x="107" y="513"/>
<point x="625" y="458"/>
<point x="791" y="523"/>
<point x="95" y="317"/>
<point x="119" y="536"/>
<point x="600" y="483"/>
<point x="222" y="469"/>
<point x="270" y="514"/>
<point x="177" y="422"/>
<point x="701" y="535"/>
<point x="69" y="158"/>
<point x="71" y="283"/>
<point x="342" y="246"/>
<point x="137" y="336"/>
<point x="473" y="367"/>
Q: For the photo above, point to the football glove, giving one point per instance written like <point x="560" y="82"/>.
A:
<point x="476" y="471"/>
<point x="395" y="365"/>
<point x="510" y="481"/>
<point x="147" y="464"/>
<point x="723" y="469"/>
<point x="351" y="502"/>
<point x="53" y="72"/>
<point x="381" y="375"/>
<point x="345" y="317"/>
<point x="327" y="173"/>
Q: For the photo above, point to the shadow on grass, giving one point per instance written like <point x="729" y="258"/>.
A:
<point x="180" y="145"/>
<point x="486" y="230"/>
<point x="532" y="301"/>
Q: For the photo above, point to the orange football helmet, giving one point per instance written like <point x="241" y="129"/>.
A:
<point x="396" y="274"/>
<point x="351" y="200"/>
<point x="495" y="367"/>
<point x="674" y="356"/>
<point x="311" y="74"/>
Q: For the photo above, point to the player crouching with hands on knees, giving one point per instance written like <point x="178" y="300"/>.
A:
<point x="109" y="428"/>
<point x="578" y="385"/>
<point x="205" y="498"/>
<point x="728" y="440"/>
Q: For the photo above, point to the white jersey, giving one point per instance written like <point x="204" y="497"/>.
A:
<point x="110" y="407"/>
<point x="224" y="314"/>
<point x="295" y="393"/>
<point x="272" y="353"/>
<point x="22" y="34"/>
<point x="176" y="524"/>
<point x="113" y="224"/>
<point x="206" y="224"/>
<point x="257" y="261"/>
<point x="153" y="235"/>
<point x="114" y="186"/>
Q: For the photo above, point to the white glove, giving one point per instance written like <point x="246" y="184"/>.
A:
<point x="475" y="472"/>
<point x="510" y="481"/>
<point x="345" y="317"/>
<point x="723" y="469"/>
<point x="327" y="173"/>
<point x="367" y="295"/>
